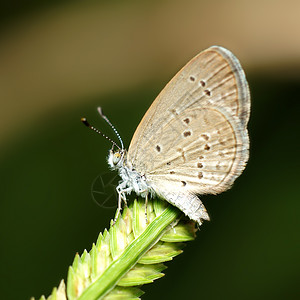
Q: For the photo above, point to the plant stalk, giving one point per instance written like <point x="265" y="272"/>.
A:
<point x="118" y="268"/>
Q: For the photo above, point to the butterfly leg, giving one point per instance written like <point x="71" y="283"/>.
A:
<point x="145" y="193"/>
<point x="146" y="206"/>
<point x="121" y="197"/>
<point x="119" y="207"/>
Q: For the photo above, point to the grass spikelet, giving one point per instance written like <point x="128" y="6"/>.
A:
<point x="131" y="253"/>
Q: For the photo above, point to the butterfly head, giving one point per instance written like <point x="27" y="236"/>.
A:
<point x="116" y="158"/>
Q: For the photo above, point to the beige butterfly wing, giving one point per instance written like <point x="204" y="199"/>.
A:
<point x="193" y="139"/>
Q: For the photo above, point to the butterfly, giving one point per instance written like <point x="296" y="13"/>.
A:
<point x="193" y="139"/>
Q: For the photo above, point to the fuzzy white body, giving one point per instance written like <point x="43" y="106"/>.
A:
<point x="131" y="179"/>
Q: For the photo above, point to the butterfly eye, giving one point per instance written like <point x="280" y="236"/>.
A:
<point x="116" y="158"/>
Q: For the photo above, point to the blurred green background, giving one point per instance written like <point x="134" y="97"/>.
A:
<point x="59" y="60"/>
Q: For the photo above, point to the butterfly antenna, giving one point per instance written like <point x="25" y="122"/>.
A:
<point x="111" y="125"/>
<point x="87" y="124"/>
